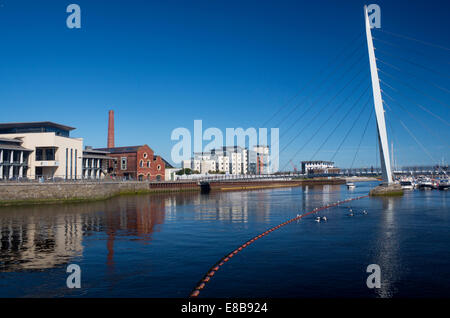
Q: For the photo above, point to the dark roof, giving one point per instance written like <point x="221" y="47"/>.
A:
<point x="97" y="151"/>
<point x="96" y="156"/>
<point x="13" y="147"/>
<point x="166" y="163"/>
<point x="120" y="149"/>
<point x="35" y="124"/>
<point x="12" y="140"/>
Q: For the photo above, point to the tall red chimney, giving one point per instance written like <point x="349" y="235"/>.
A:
<point x="111" y="129"/>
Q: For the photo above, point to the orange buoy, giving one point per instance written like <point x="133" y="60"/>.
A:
<point x="211" y="273"/>
<point x="206" y="279"/>
<point x="195" y="293"/>
<point x="201" y="286"/>
<point x="216" y="268"/>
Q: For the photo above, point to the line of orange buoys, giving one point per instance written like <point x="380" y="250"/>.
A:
<point x="212" y="271"/>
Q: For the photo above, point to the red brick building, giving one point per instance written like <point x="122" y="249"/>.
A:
<point x="136" y="163"/>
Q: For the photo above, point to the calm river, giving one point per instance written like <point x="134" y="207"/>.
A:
<point x="161" y="245"/>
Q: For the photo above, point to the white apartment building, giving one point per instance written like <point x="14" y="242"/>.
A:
<point x="54" y="154"/>
<point x="223" y="163"/>
<point x="232" y="160"/>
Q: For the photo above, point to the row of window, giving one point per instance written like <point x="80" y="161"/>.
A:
<point x="123" y="163"/>
<point x="141" y="177"/>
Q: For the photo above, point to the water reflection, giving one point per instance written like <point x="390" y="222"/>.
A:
<point x="387" y="248"/>
<point x="29" y="242"/>
<point x="41" y="237"/>
<point x="319" y="195"/>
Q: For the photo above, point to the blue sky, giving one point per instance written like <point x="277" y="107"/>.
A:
<point x="162" y="64"/>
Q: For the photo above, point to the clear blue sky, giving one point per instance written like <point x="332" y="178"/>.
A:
<point x="162" y="64"/>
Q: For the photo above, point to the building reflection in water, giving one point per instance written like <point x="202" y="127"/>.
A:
<point x="232" y="206"/>
<point x="45" y="236"/>
<point x="388" y="250"/>
<point x="319" y="195"/>
<point x="33" y="242"/>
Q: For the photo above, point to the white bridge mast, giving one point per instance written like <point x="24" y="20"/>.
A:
<point x="379" y="111"/>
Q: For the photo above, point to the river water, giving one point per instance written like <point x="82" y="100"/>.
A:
<point x="161" y="245"/>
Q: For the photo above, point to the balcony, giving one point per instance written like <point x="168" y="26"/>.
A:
<point x="47" y="163"/>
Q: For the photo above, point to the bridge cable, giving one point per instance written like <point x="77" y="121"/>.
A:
<point x="413" y="117"/>
<point x="411" y="74"/>
<point x="351" y="128"/>
<point x="331" y="62"/>
<point x="340" y="122"/>
<point x="413" y="88"/>
<point x="410" y="133"/>
<point x="416" y="40"/>
<point x="415" y="103"/>
<point x="413" y="63"/>
<point x="362" y="137"/>
<point x="323" y="124"/>
<point x="320" y="84"/>
<point x="409" y="49"/>
<point x="296" y="121"/>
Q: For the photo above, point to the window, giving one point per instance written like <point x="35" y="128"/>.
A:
<point x="141" y="163"/>
<point x="50" y="154"/>
<point x="148" y="164"/>
<point x="145" y="155"/>
<point x="39" y="154"/>
<point x="158" y="167"/>
<point x="123" y="163"/>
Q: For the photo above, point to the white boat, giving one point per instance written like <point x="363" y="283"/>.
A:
<point x="444" y="184"/>
<point x="425" y="184"/>
<point x="406" y="185"/>
<point x="350" y="185"/>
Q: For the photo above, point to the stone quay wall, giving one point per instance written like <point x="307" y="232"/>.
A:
<point x="16" y="193"/>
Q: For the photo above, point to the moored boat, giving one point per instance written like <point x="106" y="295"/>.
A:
<point x="407" y="184"/>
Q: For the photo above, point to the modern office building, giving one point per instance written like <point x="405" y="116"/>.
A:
<point x="54" y="154"/>
<point x="95" y="163"/>
<point x="319" y="167"/>
<point x="13" y="159"/>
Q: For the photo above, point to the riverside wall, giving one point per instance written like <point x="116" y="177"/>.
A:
<point x="35" y="193"/>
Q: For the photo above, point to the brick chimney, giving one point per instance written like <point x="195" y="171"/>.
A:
<point x="111" y="129"/>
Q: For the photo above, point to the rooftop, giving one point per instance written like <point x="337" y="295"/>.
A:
<point x="120" y="149"/>
<point x="35" y="124"/>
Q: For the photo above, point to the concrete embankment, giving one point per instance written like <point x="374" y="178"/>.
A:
<point x="254" y="185"/>
<point x="40" y="193"/>
<point x="35" y="193"/>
